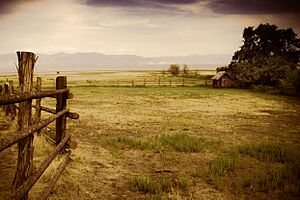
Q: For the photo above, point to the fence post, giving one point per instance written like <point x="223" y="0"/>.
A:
<point x="12" y="107"/>
<point x="6" y="91"/>
<point x="132" y="83"/>
<point x="61" y="103"/>
<point x="38" y="102"/>
<point x="183" y="82"/>
<point x="144" y="82"/>
<point x="26" y="62"/>
<point x="159" y="82"/>
<point x="170" y="83"/>
<point x="1" y="91"/>
<point x="1" y="87"/>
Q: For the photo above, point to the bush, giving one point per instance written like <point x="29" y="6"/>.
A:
<point x="263" y="88"/>
<point x="291" y="83"/>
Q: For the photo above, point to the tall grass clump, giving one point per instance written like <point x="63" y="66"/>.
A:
<point x="158" y="187"/>
<point x="281" y="168"/>
<point x="183" y="142"/>
<point x="221" y="164"/>
<point x="147" y="185"/>
<point x="269" y="152"/>
<point x="179" y="142"/>
<point x="183" y="183"/>
<point x="276" y="168"/>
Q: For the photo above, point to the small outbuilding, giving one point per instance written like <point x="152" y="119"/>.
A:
<point x="222" y="80"/>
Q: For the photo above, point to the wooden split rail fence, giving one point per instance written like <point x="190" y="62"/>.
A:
<point x="158" y="82"/>
<point x="25" y="176"/>
<point x="8" y="88"/>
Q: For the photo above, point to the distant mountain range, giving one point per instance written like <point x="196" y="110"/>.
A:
<point x="99" y="61"/>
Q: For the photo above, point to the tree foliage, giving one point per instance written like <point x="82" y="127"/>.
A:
<point x="174" y="69"/>
<point x="185" y="69"/>
<point x="267" y="57"/>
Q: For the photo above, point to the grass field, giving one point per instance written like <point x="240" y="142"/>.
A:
<point x="137" y="78"/>
<point x="178" y="143"/>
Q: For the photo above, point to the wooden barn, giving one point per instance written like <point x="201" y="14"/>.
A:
<point x="222" y="80"/>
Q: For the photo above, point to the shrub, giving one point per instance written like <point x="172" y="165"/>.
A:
<point x="263" y="88"/>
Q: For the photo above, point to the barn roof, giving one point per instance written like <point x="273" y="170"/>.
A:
<point x="219" y="75"/>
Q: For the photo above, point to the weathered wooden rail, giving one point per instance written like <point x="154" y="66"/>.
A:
<point x="25" y="177"/>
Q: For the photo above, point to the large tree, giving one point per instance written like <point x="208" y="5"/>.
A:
<point x="267" y="55"/>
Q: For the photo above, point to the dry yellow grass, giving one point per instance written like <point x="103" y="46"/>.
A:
<point x="233" y="116"/>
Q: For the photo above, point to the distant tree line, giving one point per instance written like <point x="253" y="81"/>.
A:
<point x="175" y="69"/>
<point x="269" y="57"/>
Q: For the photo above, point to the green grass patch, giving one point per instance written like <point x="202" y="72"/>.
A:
<point x="184" y="184"/>
<point x="221" y="164"/>
<point x="124" y="142"/>
<point x="183" y="142"/>
<point x="146" y="184"/>
<point x="280" y="169"/>
<point x="261" y="166"/>
<point x="159" y="187"/>
<point x="268" y="152"/>
<point x="180" y="142"/>
<point x="270" y="176"/>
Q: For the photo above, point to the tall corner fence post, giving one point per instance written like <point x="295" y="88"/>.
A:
<point x="61" y="104"/>
<point x="26" y="62"/>
<point x="38" y="103"/>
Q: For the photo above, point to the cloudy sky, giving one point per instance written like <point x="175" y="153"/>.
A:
<point x="141" y="27"/>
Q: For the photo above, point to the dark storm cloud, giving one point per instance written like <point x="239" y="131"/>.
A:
<point x="8" y="6"/>
<point x="137" y="3"/>
<point x="111" y="3"/>
<point x="243" y="7"/>
<point x="252" y="7"/>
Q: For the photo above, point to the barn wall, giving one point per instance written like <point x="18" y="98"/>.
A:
<point x="226" y="81"/>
